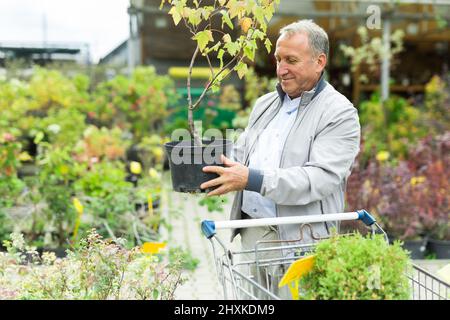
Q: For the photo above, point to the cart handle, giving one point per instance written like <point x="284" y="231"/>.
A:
<point x="209" y="227"/>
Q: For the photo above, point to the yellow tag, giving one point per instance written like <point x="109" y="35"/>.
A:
<point x="150" y="204"/>
<point x="152" y="247"/>
<point x="135" y="167"/>
<point x="78" y="206"/>
<point x="297" y="270"/>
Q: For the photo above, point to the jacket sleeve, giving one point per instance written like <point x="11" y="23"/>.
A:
<point x="332" y="154"/>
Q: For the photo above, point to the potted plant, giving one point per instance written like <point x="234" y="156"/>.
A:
<point x="355" y="267"/>
<point x="226" y="33"/>
<point x="393" y="192"/>
<point x="432" y="155"/>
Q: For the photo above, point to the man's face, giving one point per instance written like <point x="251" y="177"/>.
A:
<point x="297" y="69"/>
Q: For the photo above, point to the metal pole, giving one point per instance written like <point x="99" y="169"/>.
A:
<point x="386" y="63"/>
<point x="131" y="62"/>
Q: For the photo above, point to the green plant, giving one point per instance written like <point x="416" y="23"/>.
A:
<point x="96" y="269"/>
<point x="255" y="87"/>
<point x="99" y="144"/>
<point x="357" y="268"/>
<point x="57" y="172"/>
<point x="250" y="17"/>
<point x="188" y="262"/>
<point x="391" y="126"/>
<point x="151" y="152"/>
<point x="213" y="204"/>
<point x="437" y="105"/>
<point x="410" y="196"/>
<point x="138" y="103"/>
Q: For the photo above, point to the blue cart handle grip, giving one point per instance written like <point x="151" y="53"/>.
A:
<point x="209" y="228"/>
<point x="366" y="217"/>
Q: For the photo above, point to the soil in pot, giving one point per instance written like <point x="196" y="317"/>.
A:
<point x="441" y="248"/>
<point x="186" y="162"/>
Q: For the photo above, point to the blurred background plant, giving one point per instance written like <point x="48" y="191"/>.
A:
<point x="95" y="269"/>
<point x="56" y="146"/>
<point x="137" y="104"/>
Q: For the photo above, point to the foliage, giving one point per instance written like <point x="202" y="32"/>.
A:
<point x="99" y="144"/>
<point x="57" y="171"/>
<point x="230" y="98"/>
<point x="357" y="268"/>
<point x="189" y="262"/>
<point x="49" y="121"/>
<point x="232" y="45"/>
<point x="255" y="87"/>
<point x="213" y="204"/>
<point x="138" y="103"/>
<point x="62" y="127"/>
<point x="151" y="152"/>
<point x="371" y="52"/>
<point x="96" y="269"/>
<point x="410" y="197"/>
<point x="111" y="203"/>
<point x="437" y="105"/>
<point x="392" y="126"/>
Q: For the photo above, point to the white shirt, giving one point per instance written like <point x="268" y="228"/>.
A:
<point x="267" y="155"/>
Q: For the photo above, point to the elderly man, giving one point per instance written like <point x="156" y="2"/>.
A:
<point x="296" y="153"/>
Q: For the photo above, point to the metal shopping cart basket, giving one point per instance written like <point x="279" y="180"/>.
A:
<point x="255" y="274"/>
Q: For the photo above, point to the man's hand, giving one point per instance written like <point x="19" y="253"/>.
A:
<point x="233" y="177"/>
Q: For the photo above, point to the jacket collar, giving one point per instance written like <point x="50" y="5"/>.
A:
<point x="307" y="96"/>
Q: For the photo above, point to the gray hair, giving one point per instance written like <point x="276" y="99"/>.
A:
<point x="318" y="38"/>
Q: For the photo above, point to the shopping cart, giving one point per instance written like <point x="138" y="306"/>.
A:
<point x="255" y="274"/>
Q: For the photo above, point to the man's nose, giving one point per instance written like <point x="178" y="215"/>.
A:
<point x="282" y="70"/>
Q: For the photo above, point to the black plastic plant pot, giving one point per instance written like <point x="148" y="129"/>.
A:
<point x="416" y="248"/>
<point x="441" y="248"/>
<point x="186" y="162"/>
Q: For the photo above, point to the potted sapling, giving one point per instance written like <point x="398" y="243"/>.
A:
<point x="226" y="34"/>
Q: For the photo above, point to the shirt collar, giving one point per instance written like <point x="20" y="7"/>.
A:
<point x="290" y="105"/>
<point x="306" y="96"/>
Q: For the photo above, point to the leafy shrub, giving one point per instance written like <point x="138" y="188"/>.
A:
<point x="391" y="127"/>
<point x="357" y="268"/>
<point x="98" y="144"/>
<point x="138" y="104"/>
<point x="410" y="197"/>
<point x="97" y="269"/>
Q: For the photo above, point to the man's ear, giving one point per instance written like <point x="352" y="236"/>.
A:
<point x="321" y="62"/>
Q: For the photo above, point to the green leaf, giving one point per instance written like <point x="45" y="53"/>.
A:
<point x="203" y="38"/>
<point x="215" y="87"/>
<point x="241" y="69"/>
<point x="39" y="137"/>
<point x="194" y="17"/>
<point x="258" y="12"/>
<point x="268" y="45"/>
<point x="222" y="2"/>
<point x="232" y="48"/>
<point x="176" y="15"/>
<point x="249" y="50"/>
<point x="268" y="13"/>
<point x="220" y="57"/>
<point x="206" y="12"/>
<point x="226" y="19"/>
<point x="258" y="34"/>
<point x="155" y="294"/>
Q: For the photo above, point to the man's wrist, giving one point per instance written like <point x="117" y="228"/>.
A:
<point x="255" y="180"/>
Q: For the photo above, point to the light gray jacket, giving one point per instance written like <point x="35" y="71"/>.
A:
<point x="316" y="159"/>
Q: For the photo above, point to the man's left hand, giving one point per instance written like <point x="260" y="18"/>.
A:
<point x="233" y="177"/>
